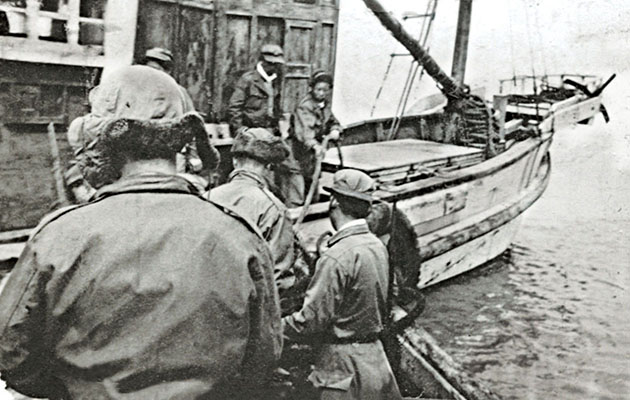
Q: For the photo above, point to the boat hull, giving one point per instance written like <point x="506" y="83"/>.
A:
<point x="466" y="217"/>
<point x="482" y="236"/>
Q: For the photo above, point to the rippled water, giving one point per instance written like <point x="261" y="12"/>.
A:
<point x="551" y="318"/>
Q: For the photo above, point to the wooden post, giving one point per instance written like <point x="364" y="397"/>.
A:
<point x="60" y="187"/>
<point x="460" y="52"/>
<point x="32" y="17"/>
<point x="499" y="103"/>
<point x="450" y="87"/>
<point x="74" y="8"/>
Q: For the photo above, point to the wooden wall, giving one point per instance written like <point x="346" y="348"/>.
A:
<point x="214" y="42"/>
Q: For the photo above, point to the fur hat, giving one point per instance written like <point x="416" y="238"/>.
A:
<point x="129" y="139"/>
<point x="261" y="145"/>
<point x="143" y="118"/>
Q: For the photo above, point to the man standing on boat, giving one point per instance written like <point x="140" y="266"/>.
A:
<point x="256" y="153"/>
<point x="148" y="291"/>
<point x="311" y="122"/>
<point x="255" y="102"/>
<point x="188" y="161"/>
<point x="162" y="60"/>
<point x="346" y="301"/>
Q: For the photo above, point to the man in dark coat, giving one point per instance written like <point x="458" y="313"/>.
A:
<point x="148" y="291"/>
<point x="346" y="301"/>
<point x="255" y="154"/>
<point x="255" y="102"/>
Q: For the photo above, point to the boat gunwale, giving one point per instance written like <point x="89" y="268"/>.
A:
<point x="428" y="244"/>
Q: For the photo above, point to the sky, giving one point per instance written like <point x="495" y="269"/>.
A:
<point x="507" y="37"/>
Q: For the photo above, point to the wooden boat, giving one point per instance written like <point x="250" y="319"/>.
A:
<point x="462" y="198"/>
<point x="455" y="179"/>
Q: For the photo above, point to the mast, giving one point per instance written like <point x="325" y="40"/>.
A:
<point x="450" y="87"/>
<point x="461" y="41"/>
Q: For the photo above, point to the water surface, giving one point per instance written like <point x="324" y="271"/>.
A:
<point x="551" y="319"/>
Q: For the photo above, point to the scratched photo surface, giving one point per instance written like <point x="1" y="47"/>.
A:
<point x="549" y="318"/>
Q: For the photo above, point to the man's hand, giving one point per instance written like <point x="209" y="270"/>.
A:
<point x="319" y="150"/>
<point x="334" y="135"/>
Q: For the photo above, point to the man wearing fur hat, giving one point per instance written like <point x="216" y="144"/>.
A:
<point x="148" y="291"/>
<point x="346" y="301"/>
<point x="256" y="153"/>
<point x="83" y="129"/>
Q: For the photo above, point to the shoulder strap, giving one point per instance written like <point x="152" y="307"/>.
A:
<point x="234" y="214"/>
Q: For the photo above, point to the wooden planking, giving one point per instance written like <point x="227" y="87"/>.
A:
<point x="27" y="182"/>
<point x="422" y="357"/>
<point x="372" y="157"/>
<point x="326" y="59"/>
<point x="452" y="237"/>
<point x="571" y="115"/>
<point x="299" y="55"/>
<point x="468" y="255"/>
<point x="296" y="27"/>
<point x="157" y="27"/>
<point x="270" y="30"/>
<point x="194" y="52"/>
<point x="10" y="252"/>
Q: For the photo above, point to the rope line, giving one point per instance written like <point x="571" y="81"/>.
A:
<point x="413" y="70"/>
<point x="413" y="67"/>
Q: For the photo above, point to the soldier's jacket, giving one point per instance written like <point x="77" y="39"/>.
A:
<point x="247" y="194"/>
<point x="147" y="292"/>
<point x="346" y="306"/>
<point x="249" y="103"/>
<point x="309" y="124"/>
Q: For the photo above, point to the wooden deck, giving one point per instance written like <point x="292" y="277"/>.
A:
<point x="380" y="156"/>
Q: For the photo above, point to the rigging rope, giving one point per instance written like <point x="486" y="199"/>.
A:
<point x="531" y="54"/>
<point x="413" y="69"/>
<point x="430" y="12"/>
<point x="511" y="46"/>
<point x="380" y="89"/>
<point x="540" y="44"/>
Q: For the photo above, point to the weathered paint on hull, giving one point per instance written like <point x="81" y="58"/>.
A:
<point x="468" y="256"/>
<point x="485" y="235"/>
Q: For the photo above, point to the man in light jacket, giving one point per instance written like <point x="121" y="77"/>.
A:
<point x="346" y="302"/>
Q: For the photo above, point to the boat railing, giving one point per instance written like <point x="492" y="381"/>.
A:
<point x="531" y="84"/>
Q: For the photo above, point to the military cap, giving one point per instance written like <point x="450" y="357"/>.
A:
<point x="272" y="53"/>
<point x="159" y="54"/>
<point x="261" y="145"/>
<point x="352" y="183"/>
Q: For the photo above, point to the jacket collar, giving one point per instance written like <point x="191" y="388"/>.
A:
<point x="147" y="182"/>
<point x="351" y="230"/>
<point x="261" y="71"/>
<point x="242" y="175"/>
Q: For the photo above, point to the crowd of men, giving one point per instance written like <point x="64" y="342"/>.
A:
<point x="155" y="287"/>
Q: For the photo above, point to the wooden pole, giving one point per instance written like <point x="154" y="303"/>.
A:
<point x="314" y="184"/>
<point x="60" y="188"/>
<point x="450" y="87"/>
<point x="500" y="106"/>
<point x="460" y="53"/>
